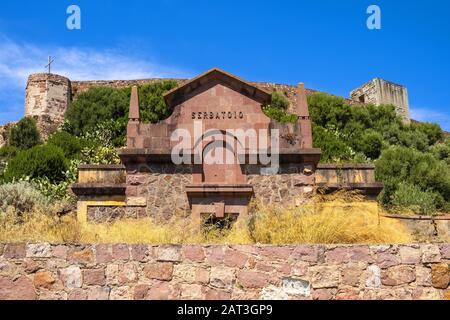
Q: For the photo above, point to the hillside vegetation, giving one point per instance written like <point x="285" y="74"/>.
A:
<point x="412" y="160"/>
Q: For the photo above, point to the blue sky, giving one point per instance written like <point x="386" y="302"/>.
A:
<point x="323" y="43"/>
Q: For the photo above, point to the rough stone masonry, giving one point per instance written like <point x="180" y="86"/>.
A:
<point x="312" y="272"/>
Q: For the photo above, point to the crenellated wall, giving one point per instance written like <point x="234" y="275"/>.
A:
<point x="116" y="272"/>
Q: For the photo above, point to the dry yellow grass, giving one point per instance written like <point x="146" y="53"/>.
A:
<point x="341" y="218"/>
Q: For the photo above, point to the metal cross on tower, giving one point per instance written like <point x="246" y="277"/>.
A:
<point x="50" y="61"/>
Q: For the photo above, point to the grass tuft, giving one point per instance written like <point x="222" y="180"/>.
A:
<point x="326" y="219"/>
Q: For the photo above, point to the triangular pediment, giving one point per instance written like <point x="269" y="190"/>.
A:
<point x="214" y="76"/>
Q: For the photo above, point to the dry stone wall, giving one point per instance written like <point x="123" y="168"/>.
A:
<point x="116" y="272"/>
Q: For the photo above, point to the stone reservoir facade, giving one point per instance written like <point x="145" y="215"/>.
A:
<point x="217" y="113"/>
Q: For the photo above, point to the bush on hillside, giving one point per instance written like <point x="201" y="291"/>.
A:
<point x="8" y="152"/>
<point x="405" y="165"/>
<point x="277" y="109"/>
<point x="24" y="134"/>
<point x="102" y="104"/>
<point x="333" y="148"/>
<point x="38" y="162"/>
<point x="433" y="131"/>
<point x="69" y="144"/>
<point x="370" y="144"/>
<point x="410" y="199"/>
<point x="21" y="197"/>
<point x="152" y="106"/>
<point x="94" y="106"/>
<point x="442" y="151"/>
<point x="279" y="100"/>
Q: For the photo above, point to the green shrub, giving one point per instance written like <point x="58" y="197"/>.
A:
<point x="59" y="190"/>
<point x="20" y="196"/>
<point x="151" y="102"/>
<point x="69" y="144"/>
<point x="279" y="115"/>
<point x="370" y="143"/>
<point x="409" y="198"/>
<point x="431" y="130"/>
<point x="94" y="106"/>
<point x="102" y="104"/>
<point x="279" y="100"/>
<point x="24" y="134"/>
<point x="277" y="109"/>
<point x="441" y="151"/>
<point x="38" y="162"/>
<point x="405" y="165"/>
<point x="333" y="148"/>
<point x="8" y="152"/>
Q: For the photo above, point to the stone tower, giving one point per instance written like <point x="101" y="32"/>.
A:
<point x="379" y="91"/>
<point x="46" y="99"/>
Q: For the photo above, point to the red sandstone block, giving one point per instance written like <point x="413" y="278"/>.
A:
<point x="103" y="253"/>
<point x="14" y="251"/>
<point x="60" y="251"/>
<point x="348" y="294"/>
<point x="215" y="255"/>
<point x="92" y="277"/>
<point x="251" y="279"/>
<point x="31" y="266"/>
<point x="306" y="253"/>
<point x="98" y="293"/>
<point x="277" y="252"/>
<point x="386" y="260"/>
<point x="351" y="275"/>
<point x="83" y="256"/>
<point x="235" y="259"/>
<point x="139" y="252"/>
<point x="127" y="273"/>
<point x="159" y="291"/>
<point x="323" y="294"/>
<point x="398" y="275"/>
<point x="360" y="253"/>
<point x="159" y="271"/>
<point x="43" y="279"/>
<point x="194" y="253"/>
<point x="213" y="294"/>
<point x="120" y="252"/>
<point x="264" y="267"/>
<point x="140" y="291"/>
<point x="337" y="256"/>
<point x="19" y="289"/>
<point x="77" y="294"/>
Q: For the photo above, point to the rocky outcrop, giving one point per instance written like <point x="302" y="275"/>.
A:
<point x="4" y="132"/>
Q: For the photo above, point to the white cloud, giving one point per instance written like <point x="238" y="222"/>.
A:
<point x="18" y="60"/>
<point x="430" y="115"/>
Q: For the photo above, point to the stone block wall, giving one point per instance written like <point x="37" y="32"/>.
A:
<point x="120" y="271"/>
<point x="159" y="190"/>
<point x="47" y="97"/>
<point x="380" y="91"/>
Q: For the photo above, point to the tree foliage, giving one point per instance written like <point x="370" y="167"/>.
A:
<point x="278" y="109"/>
<point x="101" y="104"/>
<point x="38" y="162"/>
<point x="24" y="134"/>
<point x="69" y="144"/>
<point x="412" y="160"/>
